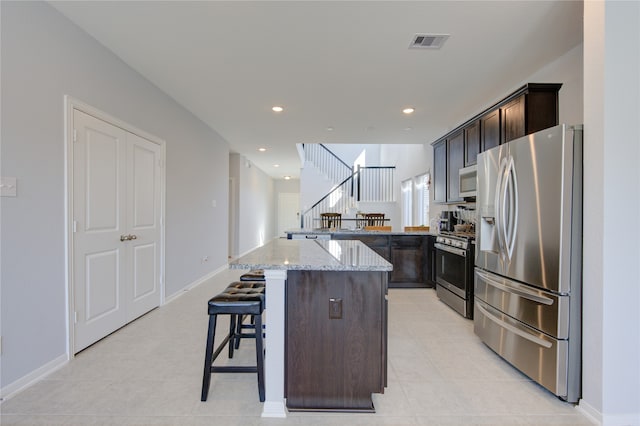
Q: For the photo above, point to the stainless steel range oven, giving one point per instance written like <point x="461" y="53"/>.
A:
<point x="454" y="272"/>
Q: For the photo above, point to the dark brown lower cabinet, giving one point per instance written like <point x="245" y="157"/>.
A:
<point x="407" y="253"/>
<point x="409" y="260"/>
<point x="336" y="339"/>
<point x="431" y="261"/>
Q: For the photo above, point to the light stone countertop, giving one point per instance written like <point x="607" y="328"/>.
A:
<point x="313" y="255"/>
<point x="320" y="231"/>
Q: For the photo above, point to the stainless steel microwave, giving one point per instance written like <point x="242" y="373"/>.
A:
<point x="468" y="183"/>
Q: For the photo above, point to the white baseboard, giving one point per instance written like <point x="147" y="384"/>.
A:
<point x="36" y="375"/>
<point x="194" y="284"/>
<point x="252" y="249"/>
<point x="630" y="419"/>
<point x="590" y="412"/>
<point x="42" y="372"/>
<point x="598" y="418"/>
<point x="274" y="409"/>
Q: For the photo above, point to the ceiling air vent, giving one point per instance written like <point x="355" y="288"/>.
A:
<point x="428" y="41"/>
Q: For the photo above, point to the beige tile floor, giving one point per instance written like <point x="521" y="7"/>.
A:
<point x="150" y="372"/>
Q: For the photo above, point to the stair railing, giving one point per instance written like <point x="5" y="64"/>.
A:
<point x="338" y="200"/>
<point x="327" y="162"/>
<point x="373" y="184"/>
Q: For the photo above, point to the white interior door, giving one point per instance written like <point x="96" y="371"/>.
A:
<point x="143" y="217"/>
<point x="288" y="212"/>
<point x="117" y="229"/>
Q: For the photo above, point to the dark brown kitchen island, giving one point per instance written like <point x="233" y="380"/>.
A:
<point x="326" y="319"/>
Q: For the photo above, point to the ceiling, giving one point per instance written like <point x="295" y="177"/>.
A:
<point x="342" y="70"/>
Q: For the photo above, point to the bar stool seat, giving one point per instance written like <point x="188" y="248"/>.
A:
<point x="237" y="300"/>
<point x="253" y="275"/>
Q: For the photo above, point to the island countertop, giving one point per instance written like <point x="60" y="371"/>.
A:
<point x="316" y="255"/>
<point x="354" y="232"/>
<point x="311" y="281"/>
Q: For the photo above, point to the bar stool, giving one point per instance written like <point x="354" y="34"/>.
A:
<point x="253" y="275"/>
<point x="237" y="300"/>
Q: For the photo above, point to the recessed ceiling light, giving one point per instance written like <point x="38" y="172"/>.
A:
<point x="408" y="110"/>
<point x="262" y="149"/>
<point x="276" y="165"/>
<point x="277" y="109"/>
<point x="287" y="177"/>
<point x="330" y="129"/>
<point x="408" y="129"/>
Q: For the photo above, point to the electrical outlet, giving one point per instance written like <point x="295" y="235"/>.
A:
<point x="335" y="308"/>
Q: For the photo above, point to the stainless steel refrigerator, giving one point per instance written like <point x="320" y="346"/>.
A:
<point x="528" y="264"/>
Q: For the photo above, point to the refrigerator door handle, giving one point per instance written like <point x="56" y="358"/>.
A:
<point x="511" y="227"/>
<point x="538" y="341"/>
<point x="499" y="206"/>
<point x="534" y="297"/>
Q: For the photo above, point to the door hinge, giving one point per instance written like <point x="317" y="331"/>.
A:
<point x="75" y="226"/>
<point x="75" y="135"/>
<point x="75" y="317"/>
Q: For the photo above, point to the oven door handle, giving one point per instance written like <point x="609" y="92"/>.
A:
<point x="452" y="250"/>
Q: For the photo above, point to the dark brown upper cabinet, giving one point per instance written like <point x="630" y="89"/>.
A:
<point x="531" y="108"/>
<point x="513" y="122"/>
<point x="471" y="143"/>
<point x="455" y="161"/>
<point x="490" y="130"/>
<point x="440" y="171"/>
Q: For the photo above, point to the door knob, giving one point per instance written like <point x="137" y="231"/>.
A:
<point x="128" y="237"/>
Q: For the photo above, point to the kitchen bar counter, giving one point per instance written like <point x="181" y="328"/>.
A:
<point x="326" y="310"/>
<point x="410" y="252"/>
<point x="316" y="255"/>
<point x="355" y="232"/>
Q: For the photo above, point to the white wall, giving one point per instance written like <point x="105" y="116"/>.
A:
<point x="566" y="70"/>
<point x="611" y="354"/>
<point x="350" y="152"/>
<point x="257" y="222"/>
<point x="313" y="186"/>
<point x="44" y="57"/>
<point x="289" y="186"/>
<point x="410" y="161"/>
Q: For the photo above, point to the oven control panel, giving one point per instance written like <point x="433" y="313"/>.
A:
<point x="453" y="242"/>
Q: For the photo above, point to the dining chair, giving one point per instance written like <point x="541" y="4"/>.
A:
<point x="331" y="220"/>
<point x="374" y="219"/>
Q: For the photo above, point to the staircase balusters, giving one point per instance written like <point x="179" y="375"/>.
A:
<point x="371" y="184"/>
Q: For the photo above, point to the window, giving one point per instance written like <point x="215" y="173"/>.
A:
<point x="422" y="184"/>
<point x="407" y="202"/>
<point x="415" y="200"/>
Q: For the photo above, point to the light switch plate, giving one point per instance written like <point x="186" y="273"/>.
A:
<point x="8" y="187"/>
